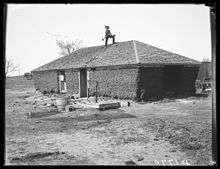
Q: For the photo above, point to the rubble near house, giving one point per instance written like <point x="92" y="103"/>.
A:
<point x="103" y="103"/>
<point x="41" y="103"/>
<point x="52" y="102"/>
<point x="43" y="100"/>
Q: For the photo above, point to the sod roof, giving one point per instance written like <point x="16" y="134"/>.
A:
<point x="120" y="53"/>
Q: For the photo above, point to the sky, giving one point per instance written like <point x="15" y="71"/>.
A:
<point x="30" y="42"/>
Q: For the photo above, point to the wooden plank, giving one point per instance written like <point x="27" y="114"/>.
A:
<point x="106" y="106"/>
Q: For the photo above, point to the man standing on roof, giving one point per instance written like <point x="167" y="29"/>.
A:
<point x="108" y="35"/>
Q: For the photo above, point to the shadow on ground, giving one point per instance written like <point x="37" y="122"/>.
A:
<point x="98" y="115"/>
<point x="173" y="98"/>
<point x="58" y="158"/>
<point x="43" y="113"/>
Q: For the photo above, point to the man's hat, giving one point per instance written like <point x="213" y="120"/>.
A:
<point x="106" y="26"/>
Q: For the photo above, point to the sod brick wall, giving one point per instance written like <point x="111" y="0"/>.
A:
<point x="155" y="81"/>
<point x="150" y="82"/>
<point x="114" y="82"/>
<point x="46" y="80"/>
<point x="121" y="82"/>
<point x="172" y="80"/>
<point x="72" y="81"/>
<point x="188" y="78"/>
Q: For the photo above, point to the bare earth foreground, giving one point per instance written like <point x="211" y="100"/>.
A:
<point x="168" y="132"/>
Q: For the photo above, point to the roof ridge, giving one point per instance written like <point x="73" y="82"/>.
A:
<point x="135" y="52"/>
<point x="103" y="45"/>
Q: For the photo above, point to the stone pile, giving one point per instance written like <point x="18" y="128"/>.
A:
<point x="43" y="101"/>
<point x="53" y="101"/>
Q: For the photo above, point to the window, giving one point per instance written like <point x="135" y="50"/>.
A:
<point x="62" y="82"/>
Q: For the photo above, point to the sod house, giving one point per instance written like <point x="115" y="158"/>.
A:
<point x="130" y="69"/>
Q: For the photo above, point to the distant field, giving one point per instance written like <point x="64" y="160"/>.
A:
<point x="18" y="83"/>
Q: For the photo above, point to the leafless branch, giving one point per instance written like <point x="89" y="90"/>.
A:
<point x="51" y="34"/>
<point x="67" y="48"/>
<point x="10" y="67"/>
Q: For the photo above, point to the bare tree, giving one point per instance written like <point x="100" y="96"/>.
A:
<point x="67" y="48"/>
<point x="206" y="60"/>
<point x="10" y="67"/>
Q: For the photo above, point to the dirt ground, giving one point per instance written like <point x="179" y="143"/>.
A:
<point x="168" y="132"/>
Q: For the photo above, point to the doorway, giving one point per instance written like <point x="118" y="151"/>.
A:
<point x="83" y="83"/>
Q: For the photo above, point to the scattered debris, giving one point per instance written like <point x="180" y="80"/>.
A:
<point x="74" y="96"/>
<point x="130" y="162"/>
<point x="61" y="103"/>
<point x="129" y="104"/>
<point x="69" y="108"/>
<point x="139" y="158"/>
<point x="173" y="150"/>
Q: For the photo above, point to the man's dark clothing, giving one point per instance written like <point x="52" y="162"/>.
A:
<point x="109" y="35"/>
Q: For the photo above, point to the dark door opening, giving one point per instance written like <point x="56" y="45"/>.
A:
<point x="83" y="83"/>
<point x="172" y="79"/>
